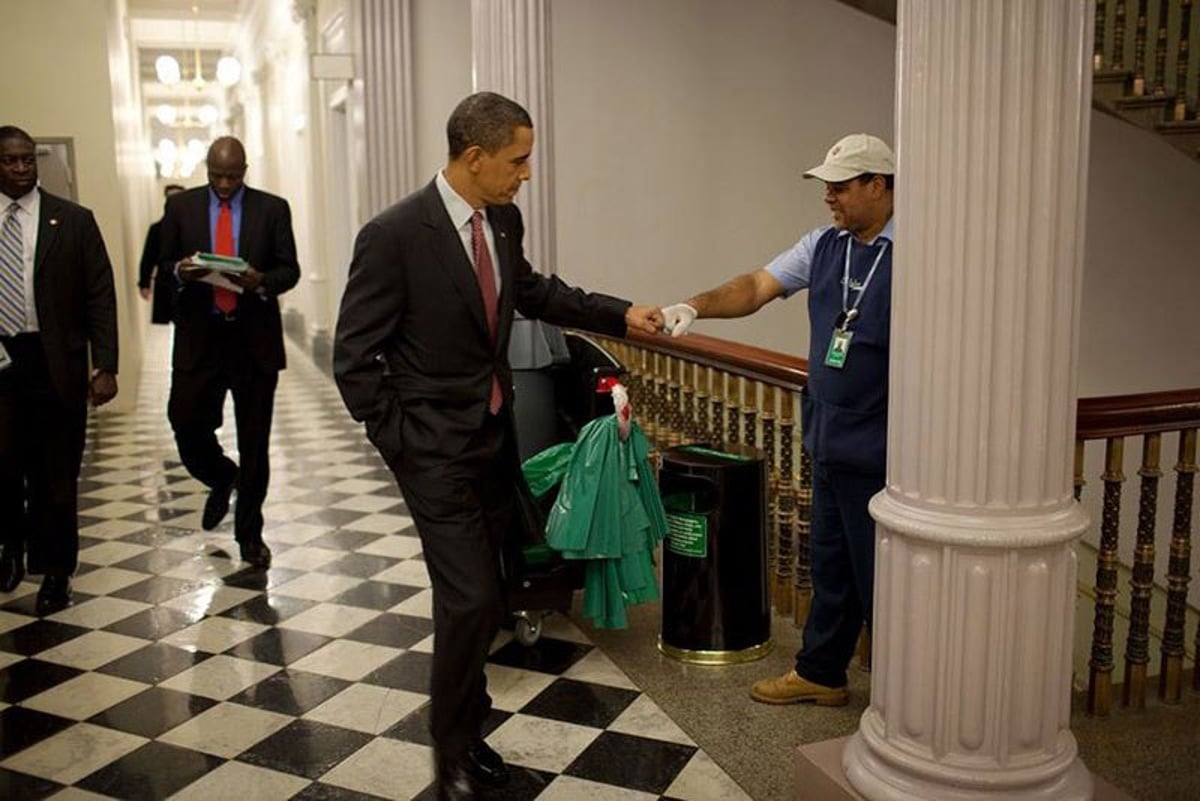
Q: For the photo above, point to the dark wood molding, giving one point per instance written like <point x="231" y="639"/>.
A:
<point x="1144" y="413"/>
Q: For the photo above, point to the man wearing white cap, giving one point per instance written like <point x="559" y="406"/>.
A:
<point x="847" y="269"/>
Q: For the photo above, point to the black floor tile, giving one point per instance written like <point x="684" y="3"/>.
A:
<point x="415" y="727"/>
<point x="278" y="646"/>
<point x="25" y="679"/>
<point x="21" y="728"/>
<point x="331" y="517"/>
<point x="158" y="514"/>
<point x="268" y="609"/>
<point x="629" y="761"/>
<point x="394" y="631"/>
<point x="250" y="578"/>
<point x="409" y="671"/>
<point x="290" y="692"/>
<point x="359" y="565"/>
<point x="160" y="560"/>
<point x="152" y="712"/>
<point x="27" y="605"/>
<point x="327" y="792"/>
<point x="323" y="497"/>
<point x="305" y="748"/>
<point x="345" y="540"/>
<point x="525" y="784"/>
<point x="154" y="771"/>
<point x="547" y="655"/>
<point x="156" y="622"/>
<point x="22" y="787"/>
<point x="157" y="589"/>
<point x="38" y="635"/>
<point x="580" y="702"/>
<point x="155" y="663"/>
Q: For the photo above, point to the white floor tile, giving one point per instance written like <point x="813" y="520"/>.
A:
<point x="243" y="782"/>
<point x="367" y="708"/>
<point x="385" y="768"/>
<point x="703" y="780"/>
<point x="541" y="743"/>
<point x="84" y="696"/>
<point x="226" y="729"/>
<point x="346" y="659"/>
<point x="331" y="620"/>
<point x="74" y="753"/>
<point x="92" y="650"/>
<point x="220" y="677"/>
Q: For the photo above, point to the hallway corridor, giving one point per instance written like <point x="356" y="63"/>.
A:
<point x="177" y="673"/>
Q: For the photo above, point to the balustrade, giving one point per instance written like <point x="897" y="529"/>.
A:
<point x="703" y="389"/>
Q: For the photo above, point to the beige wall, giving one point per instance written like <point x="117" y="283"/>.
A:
<point x="682" y="128"/>
<point x="57" y="84"/>
<point x="441" y="77"/>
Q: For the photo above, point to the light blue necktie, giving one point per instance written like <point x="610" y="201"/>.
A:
<point x="12" y="274"/>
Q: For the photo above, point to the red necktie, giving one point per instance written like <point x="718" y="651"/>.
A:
<point x="487" y="287"/>
<point x="224" y="299"/>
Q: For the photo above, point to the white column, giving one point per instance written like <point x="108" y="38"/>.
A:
<point x="975" y="566"/>
<point x="383" y="30"/>
<point x="511" y="43"/>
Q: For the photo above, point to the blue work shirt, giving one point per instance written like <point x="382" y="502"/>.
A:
<point x="214" y="211"/>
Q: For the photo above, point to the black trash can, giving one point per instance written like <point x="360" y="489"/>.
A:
<point x="715" y="608"/>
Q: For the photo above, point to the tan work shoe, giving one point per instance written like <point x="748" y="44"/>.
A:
<point x="791" y="688"/>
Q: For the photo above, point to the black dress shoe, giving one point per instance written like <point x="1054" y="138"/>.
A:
<point x="485" y="765"/>
<point x="217" y="505"/>
<point x="54" y="595"/>
<point x="256" y="553"/>
<point x="453" y="784"/>
<point x="12" y="570"/>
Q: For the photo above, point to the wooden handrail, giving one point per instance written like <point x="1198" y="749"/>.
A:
<point x="1144" y="413"/>
<point x="759" y="364"/>
<point x="1097" y="418"/>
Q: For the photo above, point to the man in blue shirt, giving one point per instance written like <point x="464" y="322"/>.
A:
<point x="847" y="269"/>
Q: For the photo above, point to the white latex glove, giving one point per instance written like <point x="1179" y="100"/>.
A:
<point x="678" y="319"/>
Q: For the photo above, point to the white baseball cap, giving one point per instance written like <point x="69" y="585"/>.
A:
<point x="853" y="156"/>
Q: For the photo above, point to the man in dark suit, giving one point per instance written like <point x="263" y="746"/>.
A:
<point x="421" y="357"/>
<point x="228" y="338"/>
<point x="156" y="282"/>
<point x="56" y="302"/>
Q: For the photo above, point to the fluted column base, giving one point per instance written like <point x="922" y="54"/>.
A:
<point x="970" y="693"/>
<point x="881" y="772"/>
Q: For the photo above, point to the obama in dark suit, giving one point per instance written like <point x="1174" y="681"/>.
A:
<point x="420" y="357"/>
<point x="229" y="340"/>
<point x="57" y="307"/>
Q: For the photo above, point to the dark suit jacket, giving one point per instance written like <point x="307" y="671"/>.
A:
<point x="265" y="241"/>
<point x="163" y="300"/>
<point x="413" y="357"/>
<point x="76" y="302"/>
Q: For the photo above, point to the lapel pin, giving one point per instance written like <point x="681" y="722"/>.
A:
<point x="54" y="221"/>
<point x="503" y="235"/>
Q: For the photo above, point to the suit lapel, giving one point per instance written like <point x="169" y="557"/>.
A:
<point x="448" y="249"/>
<point x="250" y="224"/>
<point x="49" y="223"/>
<point x="504" y="252"/>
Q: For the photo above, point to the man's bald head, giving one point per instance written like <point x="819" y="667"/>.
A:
<point x="226" y="166"/>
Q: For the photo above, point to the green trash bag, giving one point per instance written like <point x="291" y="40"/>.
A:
<point x="546" y="468"/>
<point x="608" y="512"/>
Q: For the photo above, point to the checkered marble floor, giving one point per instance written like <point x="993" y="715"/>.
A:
<point x="177" y="673"/>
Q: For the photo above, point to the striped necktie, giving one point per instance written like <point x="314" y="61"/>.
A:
<point x="12" y="274"/>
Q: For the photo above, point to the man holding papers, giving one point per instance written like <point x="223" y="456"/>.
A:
<point x="235" y="252"/>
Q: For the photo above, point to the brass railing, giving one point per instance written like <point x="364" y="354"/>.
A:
<point x="1144" y="70"/>
<point x="700" y="388"/>
<point x="1149" y="417"/>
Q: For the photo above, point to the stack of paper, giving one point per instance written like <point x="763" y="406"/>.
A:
<point x="215" y="269"/>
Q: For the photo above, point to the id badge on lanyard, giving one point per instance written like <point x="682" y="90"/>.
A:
<point x="839" y="343"/>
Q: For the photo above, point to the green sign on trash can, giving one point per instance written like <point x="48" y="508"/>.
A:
<point x="687" y="534"/>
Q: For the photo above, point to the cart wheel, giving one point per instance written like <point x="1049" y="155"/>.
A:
<point x="527" y="631"/>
